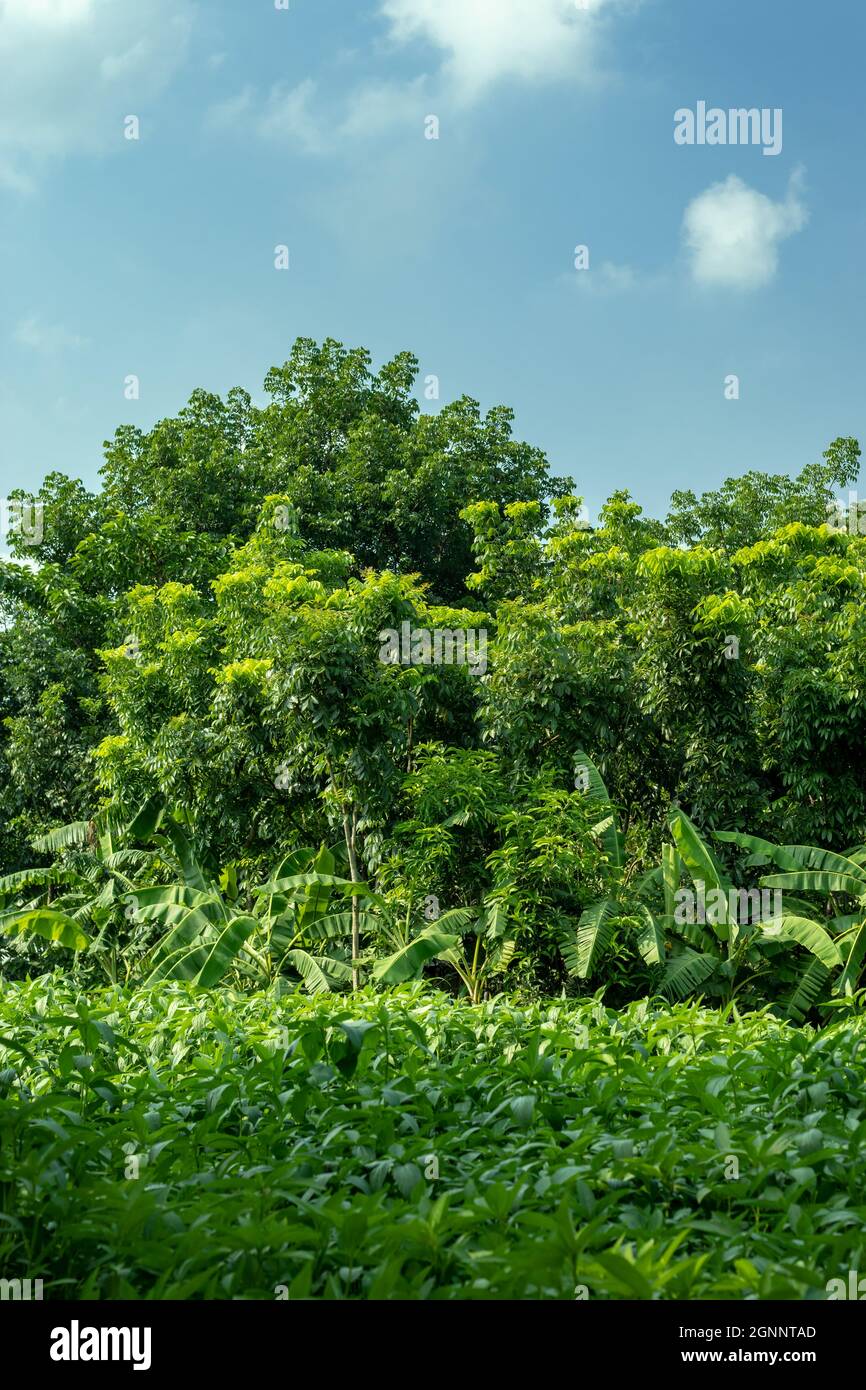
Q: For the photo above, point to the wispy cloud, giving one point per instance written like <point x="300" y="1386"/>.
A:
<point x="285" y="114"/>
<point x="227" y="114"/>
<point x="476" y="43"/>
<point x="288" y="115"/>
<point x="300" y="120"/>
<point x="47" y="338"/>
<point x="15" y="179"/>
<point x="608" y="278"/>
<point x="67" y="63"/>
<point x="135" y="58"/>
<point x="377" y="106"/>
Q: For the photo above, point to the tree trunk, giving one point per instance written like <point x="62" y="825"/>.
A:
<point x="349" y="829"/>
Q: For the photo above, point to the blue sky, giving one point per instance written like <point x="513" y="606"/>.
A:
<point x="306" y="127"/>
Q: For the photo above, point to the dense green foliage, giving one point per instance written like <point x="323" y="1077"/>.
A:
<point x="202" y="641"/>
<point x="318" y="705"/>
<point x="170" y="1144"/>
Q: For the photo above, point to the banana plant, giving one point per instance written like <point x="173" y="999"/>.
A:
<point x="477" y="943"/>
<point x="205" y="936"/>
<point x="808" y="869"/>
<point x="299" y="911"/>
<point x="78" y="892"/>
<point x="716" y="951"/>
<point x="622" y="905"/>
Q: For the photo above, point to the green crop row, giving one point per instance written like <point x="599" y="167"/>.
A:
<point x="170" y="1144"/>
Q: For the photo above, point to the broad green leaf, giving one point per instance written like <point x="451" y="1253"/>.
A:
<point x="672" y="872"/>
<point x="356" y="1031"/>
<point x="64" y="837"/>
<point x="148" y="820"/>
<point x="406" y="963"/>
<point x="650" y="937"/>
<point x="856" y="949"/>
<point x="808" y="990"/>
<point x="696" y="855"/>
<point x="36" y="878"/>
<point x="193" y="874"/>
<point x="824" y="861"/>
<point x="314" y="977"/>
<point x="807" y="933"/>
<point x="687" y="971"/>
<point x="612" y="838"/>
<point x="191" y="931"/>
<point x="779" y="854"/>
<point x="814" y="881"/>
<point x="224" y="950"/>
<point x="51" y="925"/>
<point x="594" y="935"/>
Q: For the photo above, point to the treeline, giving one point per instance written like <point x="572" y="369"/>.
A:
<point x="206" y="634"/>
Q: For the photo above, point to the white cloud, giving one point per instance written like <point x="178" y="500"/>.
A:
<point x="46" y="338"/>
<point x="14" y="179"/>
<point x="479" y="42"/>
<point x="72" y="69"/>
<point x="609" y="278"/>
<point x="285" y="115"/>
<point x="488" y="40"/>
<point x="288" y="117"/>
<point x="378" y="106"/>
<point x="225" y="115"/>
<point x="733" y="233"/>
<point x="50" y="13"/>
<point x="118" y="65"/>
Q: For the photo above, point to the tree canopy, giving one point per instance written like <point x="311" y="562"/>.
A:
<point x="207" y="631"/>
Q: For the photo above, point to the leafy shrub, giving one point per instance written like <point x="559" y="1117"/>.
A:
<point x="176" y="1144"/>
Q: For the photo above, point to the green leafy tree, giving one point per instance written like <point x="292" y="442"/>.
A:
<point x="750" y="508"/>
